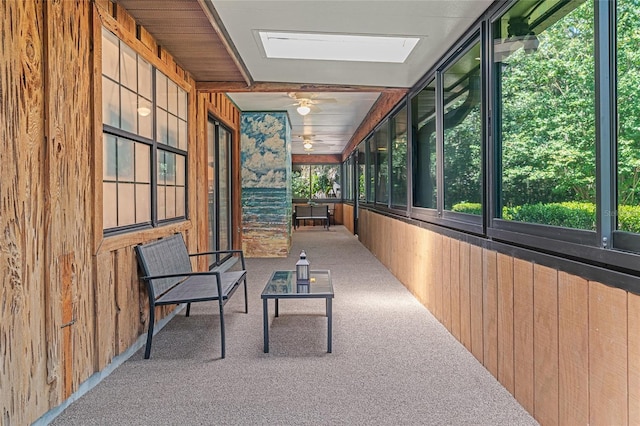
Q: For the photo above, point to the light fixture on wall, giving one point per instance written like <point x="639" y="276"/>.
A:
<point x="304" y="108"/>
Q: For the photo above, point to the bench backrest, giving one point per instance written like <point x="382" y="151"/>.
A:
<point x="168" y="255"/>
<point x="312" y="211"/>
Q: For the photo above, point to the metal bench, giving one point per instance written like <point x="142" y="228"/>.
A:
<point x="320" y="212"/>
<point x="171" y="280"/>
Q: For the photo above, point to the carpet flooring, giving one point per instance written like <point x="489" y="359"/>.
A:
<point x="393" y="363"/>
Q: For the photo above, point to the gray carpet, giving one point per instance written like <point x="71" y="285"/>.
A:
<point x="392" y="362"/>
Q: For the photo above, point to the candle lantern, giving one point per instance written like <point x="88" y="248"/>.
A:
<point x="302" y="270"/>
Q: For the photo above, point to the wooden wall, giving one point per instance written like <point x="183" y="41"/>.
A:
<point x="567" y="349"/>
<point x="70" y="299"/>
<point x="347" y="217"/>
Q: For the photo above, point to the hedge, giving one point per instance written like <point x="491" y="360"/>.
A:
<point x="569" y="214"/>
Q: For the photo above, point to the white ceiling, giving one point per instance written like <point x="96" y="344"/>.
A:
<point x="438" y="23"/>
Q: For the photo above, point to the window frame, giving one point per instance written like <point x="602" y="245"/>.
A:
<point x="153" y="143"/>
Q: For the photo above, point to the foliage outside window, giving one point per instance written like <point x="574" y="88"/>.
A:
<point x="544" y="68"/>
<point x="134" y="96"/>
<point x="381" y="143"/>
<point x="316" y="181"/>
<point x="462" y="131"/>
<point x="372" y="159"/>
<point x="361" y="163"/>
<point x="399" y="158"/>
<point x="423" y="124"/>
<point x="628" y="94"/>
<point x="347" y="173"/>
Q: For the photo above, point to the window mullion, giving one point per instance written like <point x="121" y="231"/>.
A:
<point x="606" y="187"/>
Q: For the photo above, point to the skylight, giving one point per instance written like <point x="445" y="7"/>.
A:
<point x="337" y="47"/>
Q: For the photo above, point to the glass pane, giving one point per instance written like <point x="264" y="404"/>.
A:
<point x="109" y="205"/>
<point x="110" y="103"/>
<point x="182" y="135"/>
<point x="170" y="192"/>
<point x="381" y="141"/>
<point x="372" y="159"/>
<point x="180" y="170"/>
<point x="144" y="78"/>
<point x="628" y="93"/>
<point x="161" y="90"/>
<point x="211" y="185"/>
<point x="361" y="171"/>
<point x="110" y="55"/>
<point x="301" y="181"/>
<point x="161" y="203"/>
<point x="128" y="67"/>
<point x="143" y="173"/>
<point x="399" y="159"/>
<point x="143" y="203"/>
<point x="162" y="168"/>
<point x="110" y="158"/>
<point x="173" y="130"/>
<point x="172" y="97"/>
<point x="423" y="122"/>
<point x="145" y="119"/>
<point x="126" y="170"/>
<point x="129" y="113"/>
<point x="126" y="204"/>
<point x="463" y="134"/>
<point x="162" y="133"/>
<point x="180" y="202"/>
<point x="168" y="168"/>
<point x="223" y="177"/>
<point x="546" y="116"/>
<point x="182" y="104"/>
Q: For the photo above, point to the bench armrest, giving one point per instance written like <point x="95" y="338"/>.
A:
<point x="204" y="253"/>
<point x="182" y="274"/>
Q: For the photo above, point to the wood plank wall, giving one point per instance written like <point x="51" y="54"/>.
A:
<point x="347" y="217"/>
<point x="567" y="349"/>
<point x="70" y="299"/>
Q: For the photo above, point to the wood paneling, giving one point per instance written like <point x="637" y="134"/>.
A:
<point x="455" y="288"/>
<point x="465" y="295"/>
<point x="567" y="349"/>
<point x="23" y="374"/>
<point x="608" y="370"/>
<point x="475" y="301"/>
<point x="446" y="282"/>
<point x="573" y="339"/>
<point x="505" y="322"/>
<point x="545" y="344"/>
<point x="347" y="217"/>
<point x="490" y="311"/>
<point x="523" y="321"/>
<point x="633" y="332"/>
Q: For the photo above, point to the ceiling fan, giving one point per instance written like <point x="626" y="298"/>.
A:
<point x="307" y="102"/>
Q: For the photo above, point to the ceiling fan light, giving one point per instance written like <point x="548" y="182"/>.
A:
<point x="303" y="110"/>
<point x="307" y="145"/>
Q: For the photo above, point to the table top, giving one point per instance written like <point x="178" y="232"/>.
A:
<point x="282" y="284"/>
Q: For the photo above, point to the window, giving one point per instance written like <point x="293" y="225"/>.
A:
<point x="372" y="159"/>
<point x="462" y="141"/>
<point x="423" y="125"/>
<point x="628" y="130"/>
<point x="361" y="163"/>
<point x="380" y="143"/>
<point x="543" y="62"/>
<point x="316" y="181"/>
<point x="399" y="158"/>
<point x="347" y="173"/>
<point x="144" y="168"/>
<point x="219" y="144"/>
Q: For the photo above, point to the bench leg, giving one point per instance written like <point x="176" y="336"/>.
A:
<point x="246" y="303"/>
<point x="222" y="327"/>
<point x="188" y="309"/>
<point x="152" y="320"/>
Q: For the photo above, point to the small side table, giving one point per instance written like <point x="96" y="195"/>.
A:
<point x="282" y="285"/>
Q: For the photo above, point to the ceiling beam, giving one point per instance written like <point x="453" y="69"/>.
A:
<point x="385" y="103"/>
<point x="236" y="87"/>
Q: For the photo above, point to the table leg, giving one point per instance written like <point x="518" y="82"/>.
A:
<point x="265" y="323"/>
<point x="329" y="318"/>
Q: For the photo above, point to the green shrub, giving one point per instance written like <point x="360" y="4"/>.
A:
<point x="470" y="208"/>
<point x="569" y="214"/>
<point x="629" y="218"/>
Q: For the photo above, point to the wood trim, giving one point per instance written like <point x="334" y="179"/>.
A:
<point x="316" y="159"/>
